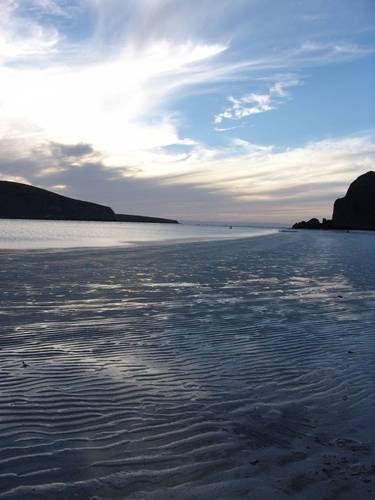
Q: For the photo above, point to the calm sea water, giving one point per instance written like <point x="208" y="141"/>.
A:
<point x="36" y="234"/>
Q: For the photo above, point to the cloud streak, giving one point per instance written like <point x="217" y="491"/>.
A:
<point x="242" y="181"/>
<point x="22" y="37"/>
<point x="253" y="103"/>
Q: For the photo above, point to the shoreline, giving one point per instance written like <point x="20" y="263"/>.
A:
<point x="178" y="241"/>
<point x="146" y="243"/>
<point x="130" y="246"/>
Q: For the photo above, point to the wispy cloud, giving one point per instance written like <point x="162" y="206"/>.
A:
<point x="253" y="103"/>
<point x="116" y="105"/>
<point x="333" y="51"/>
<point x="22" y="36"/>
<point x="52" y="7"/>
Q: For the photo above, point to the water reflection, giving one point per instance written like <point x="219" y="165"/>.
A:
<point x="37" y="234"/>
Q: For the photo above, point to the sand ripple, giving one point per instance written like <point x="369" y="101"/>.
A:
<point x="211" y="370"/>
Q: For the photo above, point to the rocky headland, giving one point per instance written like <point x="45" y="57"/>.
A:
<point x="356" y="210"/>
<point x="21" y="201"/>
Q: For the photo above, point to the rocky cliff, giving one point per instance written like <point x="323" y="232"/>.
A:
<point x="356" y="210"/>
<point x="21" y="201"/>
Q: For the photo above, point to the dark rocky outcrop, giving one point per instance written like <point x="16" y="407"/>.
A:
<point x="356" y="210"/>
<point x="314" y="224"/>
<point x="310" y="224"/>
<point x="21" y="201"/>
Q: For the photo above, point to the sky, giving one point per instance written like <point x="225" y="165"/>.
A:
<point x="251" y="111"/>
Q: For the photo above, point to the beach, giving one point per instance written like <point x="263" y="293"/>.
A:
<point x="241" y="368"/>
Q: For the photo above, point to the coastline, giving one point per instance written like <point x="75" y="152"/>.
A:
<point x="224" y="368"/>
<point x="55" y="235"/>
<point x="133" y="245"/>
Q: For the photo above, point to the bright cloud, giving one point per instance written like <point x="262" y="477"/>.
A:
<point x="22" y="37"/>
<point x="114" y="105"/>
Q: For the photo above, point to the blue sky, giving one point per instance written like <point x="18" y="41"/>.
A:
<point x="243" y="110"/>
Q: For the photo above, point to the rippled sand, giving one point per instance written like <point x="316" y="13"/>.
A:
<point x="206" y="370"/>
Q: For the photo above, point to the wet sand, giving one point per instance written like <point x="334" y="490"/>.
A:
<point x="227" y="369"/>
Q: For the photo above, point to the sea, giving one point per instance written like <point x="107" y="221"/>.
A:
<point x="42" y="234"/>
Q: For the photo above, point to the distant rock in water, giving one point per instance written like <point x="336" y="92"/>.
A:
<point x="310" y="224"/>
<point x="143" y="218"/>
<point x="313" y="224"/>
<point x="355" y="211"/>
<point x="21" y="201"/>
